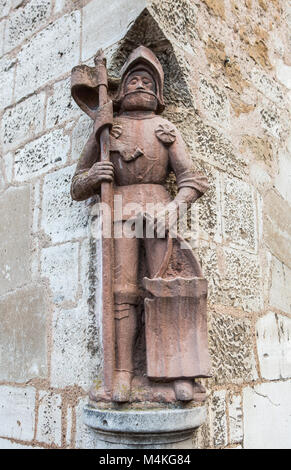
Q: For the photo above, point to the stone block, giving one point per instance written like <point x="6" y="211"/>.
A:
<point x="8" y="160"/>
<point x="212" y="147"/>
<point x="60" y="265"/>
<point x="69" y="428"/>
<point x="267" y="416"/>
<point x="214" y="102"/>
<point x="2" y="29"/>
<point x="7" y="65"/>
<point x="62" y="218"/>
<point x="218" y="422"/>
<point x="17" y="412"/>
<point x="23" y="335"/>
<point x="49" y="426"/>
<point x="75" y="341"/>
<point x="103" y="27"/>
<point x="86" y="437"/>
<point x="280" y="294"/>
<point x="25" y="21"/>
<point x="276" y="226"/>
<point x="271" y="120"/>
<point x="235" y="419"/>
<point x="80" y="135"/>
<point x="273" y="334"/>
<point x="267" y="86"/>
<point x="282" y="179"/>
<point x="231" y="349"/>
<point x="2" y="180"/>
<point x="14" y="238"/>
<point x="234" y="278"/>
<point x="5" y="6"/>
<point x="23" y="121"/>
<point x="283" y="72"/>
<point x="239" y="214"/>
<point x="208" y="205"/>
<point x="60" y="106"/>
<point x="41" y="155"/>
<point x="50" y="53"/>
<point x="241" y="284"/>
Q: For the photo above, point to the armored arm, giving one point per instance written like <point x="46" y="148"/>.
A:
<point x="90" y="172"/>
<point x="191" y="185"/>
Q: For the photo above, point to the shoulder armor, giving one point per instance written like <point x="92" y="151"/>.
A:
<point x="166" y="133"/>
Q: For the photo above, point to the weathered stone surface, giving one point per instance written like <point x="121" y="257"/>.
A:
<point x="4" y="7"/>
<point x="282" y="180"/>
<point x="60" y="106"/>
<point x="231" y="349"/>
<point x="50" y="53"/>
<point x="14" y="238"/>
<point x="49" y="427"/>
<point x="267" y="86"/>
<point x="23" y="121"/>
<point x="80" y="135"/>
<point x="7" y="65"/>
<point x="280" y="293"/>
<point x="239" y="213"/>
<point x="274" y="346"/>
<point x="111" y="26"/>
<point x="271" y="120"/>
<point x="74" y="342"/>
<point x="214" y="102"/>
<point x="214" y="148"/>
<point x="235" y="419"/>
<point x="260" y="177"/>
<point x="283" y="72"/>
<point x="277" y="223"/>
<point x="208" y="205"/>
<point x="69" y="429"/>
<point x="178" y="20"/>
<point x="218" y="421"/>
<point x="2" y="29"/>
<point x="17" y="412"/>
<point x="2" y="181"/>
<point x="8" y="160"/>
<point x="241" y="281"/>
<point x="25" y="21"/>
<point x="260" y="148"/>
<point x="60" y="265"/>
<point x="62" y="218"/>
<point x="234" y="278"/>
<point x="23" y="335"/>
<point x="41" y="155"/>
<point x="86" y="437"/>
<point x="267" y="416"/>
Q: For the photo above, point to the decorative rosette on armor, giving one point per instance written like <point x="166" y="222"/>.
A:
<point x="166" y="133"/>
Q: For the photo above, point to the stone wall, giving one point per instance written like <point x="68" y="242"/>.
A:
<point x="228" y="82"/>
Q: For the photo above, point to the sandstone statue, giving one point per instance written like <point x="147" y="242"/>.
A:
<point x="154" y="321"/>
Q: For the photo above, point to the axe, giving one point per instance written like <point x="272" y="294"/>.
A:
<point x="89" y="88"/>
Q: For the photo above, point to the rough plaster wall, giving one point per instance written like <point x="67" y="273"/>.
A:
<point x="231" y="61"/>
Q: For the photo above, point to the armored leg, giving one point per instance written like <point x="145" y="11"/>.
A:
<point x="126" y="296"/>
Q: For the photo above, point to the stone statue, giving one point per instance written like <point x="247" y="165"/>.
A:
<point x="155" y="283"/>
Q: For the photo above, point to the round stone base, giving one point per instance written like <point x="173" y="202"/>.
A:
<point x="147" y="429"/>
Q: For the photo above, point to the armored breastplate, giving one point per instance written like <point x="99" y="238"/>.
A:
<point x="138" y="153"/>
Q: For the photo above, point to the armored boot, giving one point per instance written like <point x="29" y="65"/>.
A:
<point x="125" y="329"/>
<point x="184" y="389"/>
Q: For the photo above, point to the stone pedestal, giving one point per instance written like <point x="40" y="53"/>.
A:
<point x="145" y="429"/>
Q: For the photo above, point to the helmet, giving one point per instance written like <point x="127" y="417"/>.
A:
<point x="142" y="58"/>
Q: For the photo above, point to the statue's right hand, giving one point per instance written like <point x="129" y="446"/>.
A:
<point x="101" y="171"/>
